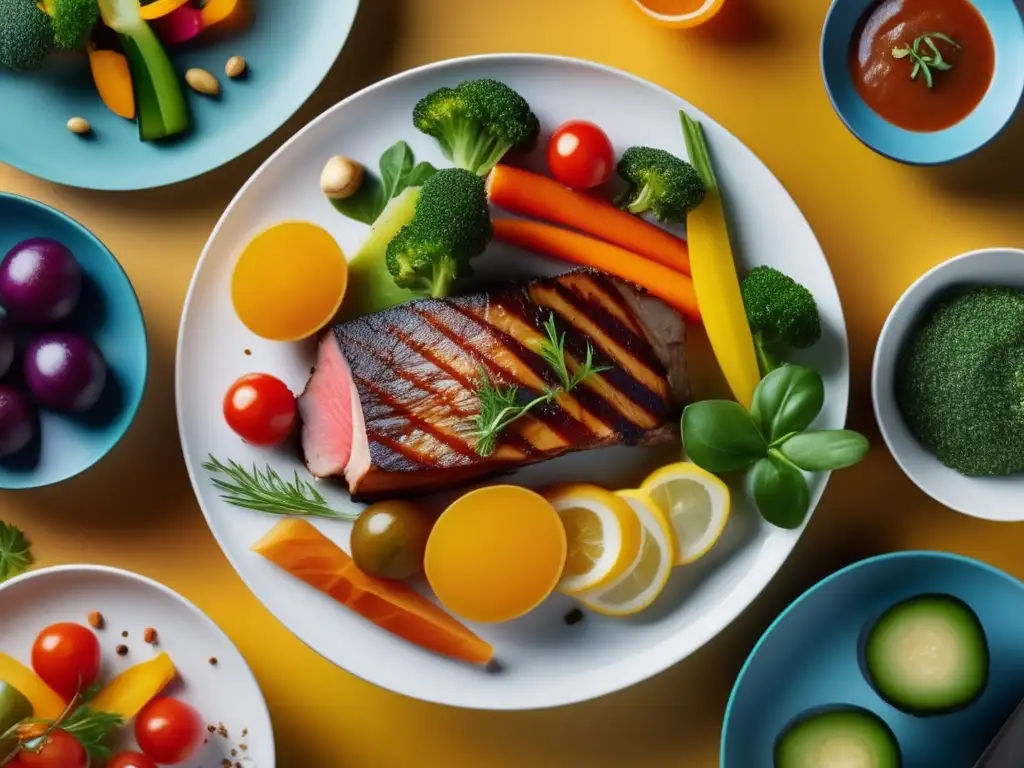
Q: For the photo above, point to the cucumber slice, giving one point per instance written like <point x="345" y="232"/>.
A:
<point x="927" y="655"/>
<point x="838" y="737"/>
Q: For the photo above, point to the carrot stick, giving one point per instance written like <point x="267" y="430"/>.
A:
<point x="674" y="288"/>
<point x="530" y="194"/>
<point x="113" y="81"/>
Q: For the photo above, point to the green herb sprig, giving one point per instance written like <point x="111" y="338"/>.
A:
<point x="771" y="442"/>
<point x="398" y="171"/>
<point x="500" y="406"/>
<point x="88" y="726"/>
<point x="266" y="491"/>
<point x="925" y="62"/>
<point x="15" y="552"/>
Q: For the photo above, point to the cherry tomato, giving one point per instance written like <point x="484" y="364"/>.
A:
<point x="67" y="657"/>
<point x="580" y="155"/>
<point x="168" y="731"/>
<point x="62" y="750"/>
<point x="260" y="408"/>
<point x="130" y="760"/>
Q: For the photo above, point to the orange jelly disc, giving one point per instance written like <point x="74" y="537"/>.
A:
<point x="289" y="281"/>
<point x="496" y="553"/>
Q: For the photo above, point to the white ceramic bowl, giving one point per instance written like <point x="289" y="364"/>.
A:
<point x="991" y="498"/>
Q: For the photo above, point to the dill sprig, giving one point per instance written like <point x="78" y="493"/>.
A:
<point x="266" y="491"/>
<point x="499" y="406"/>
<point x="925" y="62"/>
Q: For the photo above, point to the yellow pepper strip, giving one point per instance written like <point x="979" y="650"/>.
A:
<point x="215" y="11"/>
<point x="161" y="8"/>
<point x="113" y="81"/>
<point x="46" y="702"/>
<point x="131" y="690"/>
<point x="715" y="280"/>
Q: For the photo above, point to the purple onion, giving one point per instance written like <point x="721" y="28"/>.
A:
<point x="17" y="421"/>
<point x="40" y="281"/>
<point x="6" y="345"/>
<point x="65" y="371"/>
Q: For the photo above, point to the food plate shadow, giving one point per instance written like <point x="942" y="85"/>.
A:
<point x="739" y="532"/>
<point x="740" y="22"/>
<point x="994" y="173"/>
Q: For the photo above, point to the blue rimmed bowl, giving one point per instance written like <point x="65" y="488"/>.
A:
<point x="976" y="130"/>
<point x="808" y="658"/>
<point x="109" y="314"/>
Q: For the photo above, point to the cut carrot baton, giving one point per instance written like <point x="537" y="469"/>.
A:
<point x="530" y="194"/>
<point x="674" y="288"/>
<point x="300" y="549"/>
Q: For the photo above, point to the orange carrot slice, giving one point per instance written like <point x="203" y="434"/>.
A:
<point x="113" y="81"/>
<point x="299" y="548"/>
<point x="674" y="288"/>
<point x="530" y="194"/>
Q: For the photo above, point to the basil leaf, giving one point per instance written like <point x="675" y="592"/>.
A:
<point x="780" y="492"/>
<point x="720" y="436"/>
<point x="395" y="164"/>
<point x="415" y="177"/>
<point x="787" y="400"/>
<point x="365" y="205"/>
<point x="825" y="450"/>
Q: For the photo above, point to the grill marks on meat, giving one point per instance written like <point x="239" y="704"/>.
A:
<point x="416" y="368"/>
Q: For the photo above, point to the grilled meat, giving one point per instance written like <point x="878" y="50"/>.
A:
<point x="392" y="400"/>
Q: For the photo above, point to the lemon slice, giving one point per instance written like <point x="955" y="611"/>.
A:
<point x="696" y="504"/>
<point x="639" y="586"/>
<point x="603" y="535"/>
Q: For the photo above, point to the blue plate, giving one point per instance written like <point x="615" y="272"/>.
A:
<point x="809" y="658"/>
<point x="109" y="313"/>
<point x="972" y="133"/>
<point x="290" y="46"/>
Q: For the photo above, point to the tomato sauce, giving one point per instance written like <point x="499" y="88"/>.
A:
<point x="884" y="81"/>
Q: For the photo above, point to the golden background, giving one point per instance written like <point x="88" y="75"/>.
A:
<point x="881" y="225"/>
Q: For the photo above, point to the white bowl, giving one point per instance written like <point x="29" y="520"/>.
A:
<point x="990" y="498"/>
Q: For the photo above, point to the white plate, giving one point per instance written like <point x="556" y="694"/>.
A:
<point x="226" y="693"/>
<point x="545" y="662"/>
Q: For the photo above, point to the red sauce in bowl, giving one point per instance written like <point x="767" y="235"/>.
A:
<point x="884" y="80"/>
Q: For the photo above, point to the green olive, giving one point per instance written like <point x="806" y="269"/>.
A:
<point x="389" y="539"/>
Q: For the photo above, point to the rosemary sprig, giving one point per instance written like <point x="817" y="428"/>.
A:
<point x="499" y="406"/>
<point x="266" y="491"/>
<point x="925" y="62"/>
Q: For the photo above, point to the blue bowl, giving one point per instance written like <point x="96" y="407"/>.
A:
<point x="290" y="46"/>
<point x="977" y="129"/>
<point x="109" y="313"/>
<point x="808" y="658"/>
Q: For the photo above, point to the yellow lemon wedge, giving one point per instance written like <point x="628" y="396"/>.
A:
<point x="603" y="535"/>
<point x="696" y="504"/>
<point x="639" y="586"/>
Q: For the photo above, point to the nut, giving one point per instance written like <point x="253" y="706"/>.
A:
<point x="341" y="178"/>
<point x="235" y="67"/>
<point x="149" y="635"/>
<point x="96" y="620"/>
<point x="202" y="81"/>
<point x="79" y="125"/>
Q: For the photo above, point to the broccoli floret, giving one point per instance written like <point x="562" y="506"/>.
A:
<point x="26" y="36"/>
<point x="661" y="183"/>
<point x="782" y="314"/>
<point x="477" y="122"/>
<point x="451" y="226"/>
<point x="960" y="382"/>
<point x="72" y="21"/>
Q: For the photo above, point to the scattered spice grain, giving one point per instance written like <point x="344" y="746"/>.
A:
<point x="149" y="635"/>
<point x="122" y="650"/>
<point x="96" y="620"/>
<point x="213" y="661"/>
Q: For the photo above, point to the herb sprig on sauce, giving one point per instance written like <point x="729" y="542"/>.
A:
<point x="926" y="60"/>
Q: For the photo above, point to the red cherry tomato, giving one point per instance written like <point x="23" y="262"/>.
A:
<point x="260" y="408"/>
<point x="580" y="155"/>
<point x="130" y="760"/>
<point x="168" y="731"/>
<point x="67" y="657"/>
<point x="62" y="750"/>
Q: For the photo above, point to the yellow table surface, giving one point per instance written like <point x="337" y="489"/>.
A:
<point x="881" y="225"/>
